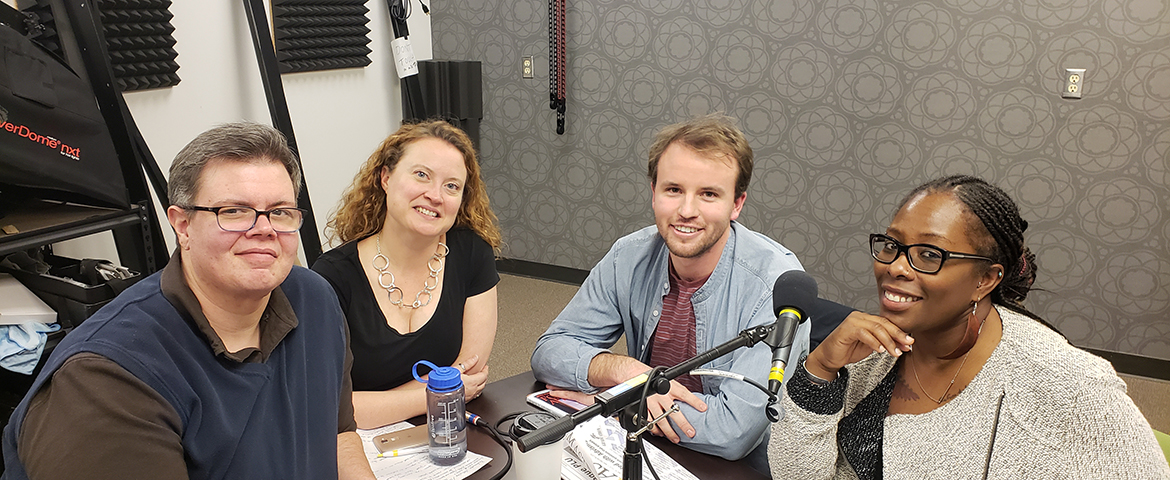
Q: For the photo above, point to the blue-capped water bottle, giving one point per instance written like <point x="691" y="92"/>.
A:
<point x="445" y="406"/>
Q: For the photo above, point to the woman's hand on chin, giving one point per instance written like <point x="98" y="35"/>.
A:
<point x="858" y="336"/>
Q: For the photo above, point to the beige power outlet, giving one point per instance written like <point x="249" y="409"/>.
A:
<point x="1074" y="83"/>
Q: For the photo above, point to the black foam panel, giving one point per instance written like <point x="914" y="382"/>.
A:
<point x="315" y="35"/>
<point x="138" y="40"/>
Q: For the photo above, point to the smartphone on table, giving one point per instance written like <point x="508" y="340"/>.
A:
<point x="554" y="405"/>
<point x="402" y="439"/>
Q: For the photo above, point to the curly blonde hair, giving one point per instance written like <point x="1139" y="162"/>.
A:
<point x="362" y="210"/>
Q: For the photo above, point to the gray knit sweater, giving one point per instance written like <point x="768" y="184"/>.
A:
<point x="1056" y="411"/>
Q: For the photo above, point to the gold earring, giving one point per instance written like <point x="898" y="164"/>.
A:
<point x="970" y="336"/>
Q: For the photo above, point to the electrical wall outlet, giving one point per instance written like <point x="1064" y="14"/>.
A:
<point x="526" y="66"/>
<point x="1074" y="83"/>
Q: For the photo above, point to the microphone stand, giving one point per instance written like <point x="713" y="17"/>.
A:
<point x="628" y="396"/>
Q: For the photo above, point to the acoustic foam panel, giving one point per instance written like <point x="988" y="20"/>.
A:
<point x="316" y="35"/>
<point x="138" y="40"/>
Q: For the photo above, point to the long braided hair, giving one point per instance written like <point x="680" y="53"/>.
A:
<point x="999" y="235"/>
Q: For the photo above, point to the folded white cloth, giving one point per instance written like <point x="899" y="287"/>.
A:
<point x="21" y="345"/>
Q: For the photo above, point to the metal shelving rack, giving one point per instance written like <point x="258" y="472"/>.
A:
<point x="45" y="223"/>
<point x="136" y="229"/>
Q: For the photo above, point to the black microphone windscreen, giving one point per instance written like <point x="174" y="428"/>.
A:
<point x="794" y="288"/>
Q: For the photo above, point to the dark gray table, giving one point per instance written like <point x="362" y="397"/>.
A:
<point x="505" y="396"/>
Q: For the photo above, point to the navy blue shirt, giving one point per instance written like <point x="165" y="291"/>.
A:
<point x="181" y="400"/>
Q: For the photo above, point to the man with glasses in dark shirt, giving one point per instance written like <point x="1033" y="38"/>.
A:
<point x="229" y="363"/>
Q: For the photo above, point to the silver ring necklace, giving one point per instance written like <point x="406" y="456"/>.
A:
<point x="393" y="293"/>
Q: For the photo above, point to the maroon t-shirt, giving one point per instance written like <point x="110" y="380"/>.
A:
<point x="674" y="338"/>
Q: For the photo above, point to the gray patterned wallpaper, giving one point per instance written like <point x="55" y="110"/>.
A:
<point x="848" y="105"/>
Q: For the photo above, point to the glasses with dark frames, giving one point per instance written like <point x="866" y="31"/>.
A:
<point x="923" y="257"/>
<point x="236" y="218"/>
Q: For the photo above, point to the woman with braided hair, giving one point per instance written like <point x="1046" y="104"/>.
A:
<point x="955" y="378"/>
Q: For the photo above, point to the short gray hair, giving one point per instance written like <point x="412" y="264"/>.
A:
<point x="245" y="142"/>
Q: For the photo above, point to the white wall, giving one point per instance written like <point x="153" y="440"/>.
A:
<point x="339" y="116"/>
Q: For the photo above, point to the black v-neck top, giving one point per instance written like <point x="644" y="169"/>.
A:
<point x="382" y="356"/>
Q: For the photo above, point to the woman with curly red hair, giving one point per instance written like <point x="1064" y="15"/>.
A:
<point x="415" y="272"/>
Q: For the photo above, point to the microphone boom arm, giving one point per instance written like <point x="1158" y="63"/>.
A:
<point x="625" y="394"/>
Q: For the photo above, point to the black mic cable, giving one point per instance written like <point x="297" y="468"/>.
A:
<point x="735" y="376"/>
<point x="476" y="420"/>
<point x="399" y="10"/>
<point x="642" y="410"/>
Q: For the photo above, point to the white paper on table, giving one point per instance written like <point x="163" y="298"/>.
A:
<point x="594" y="451"/>
<point x="415" y="466"/>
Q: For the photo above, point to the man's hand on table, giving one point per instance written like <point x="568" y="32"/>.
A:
<point x="655" y="405"/>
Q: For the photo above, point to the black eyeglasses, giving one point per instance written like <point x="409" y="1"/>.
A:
<point x="923" y="257"/>
<point x="241" y="219"/>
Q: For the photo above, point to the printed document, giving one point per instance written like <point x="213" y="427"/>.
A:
<point x="594" y="451"/>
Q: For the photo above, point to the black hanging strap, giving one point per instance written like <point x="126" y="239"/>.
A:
<point x="552" y="54"/>
<point x="556" y="50"/>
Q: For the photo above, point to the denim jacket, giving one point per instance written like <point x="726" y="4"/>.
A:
<point x="623" y="295"/>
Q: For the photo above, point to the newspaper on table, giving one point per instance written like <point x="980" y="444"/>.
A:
<point x="416" y="466"/>
<point x="594" y="451"/>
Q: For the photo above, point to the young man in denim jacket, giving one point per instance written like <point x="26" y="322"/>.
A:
<point x="691" y="282"/>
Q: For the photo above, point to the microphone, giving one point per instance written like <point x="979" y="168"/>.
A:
<point x="793" y="293"/>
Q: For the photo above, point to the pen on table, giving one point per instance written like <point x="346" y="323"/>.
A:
<point x="404" y="451"/>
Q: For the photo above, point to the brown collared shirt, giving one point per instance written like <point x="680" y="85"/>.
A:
<point x="115" y="426"/>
